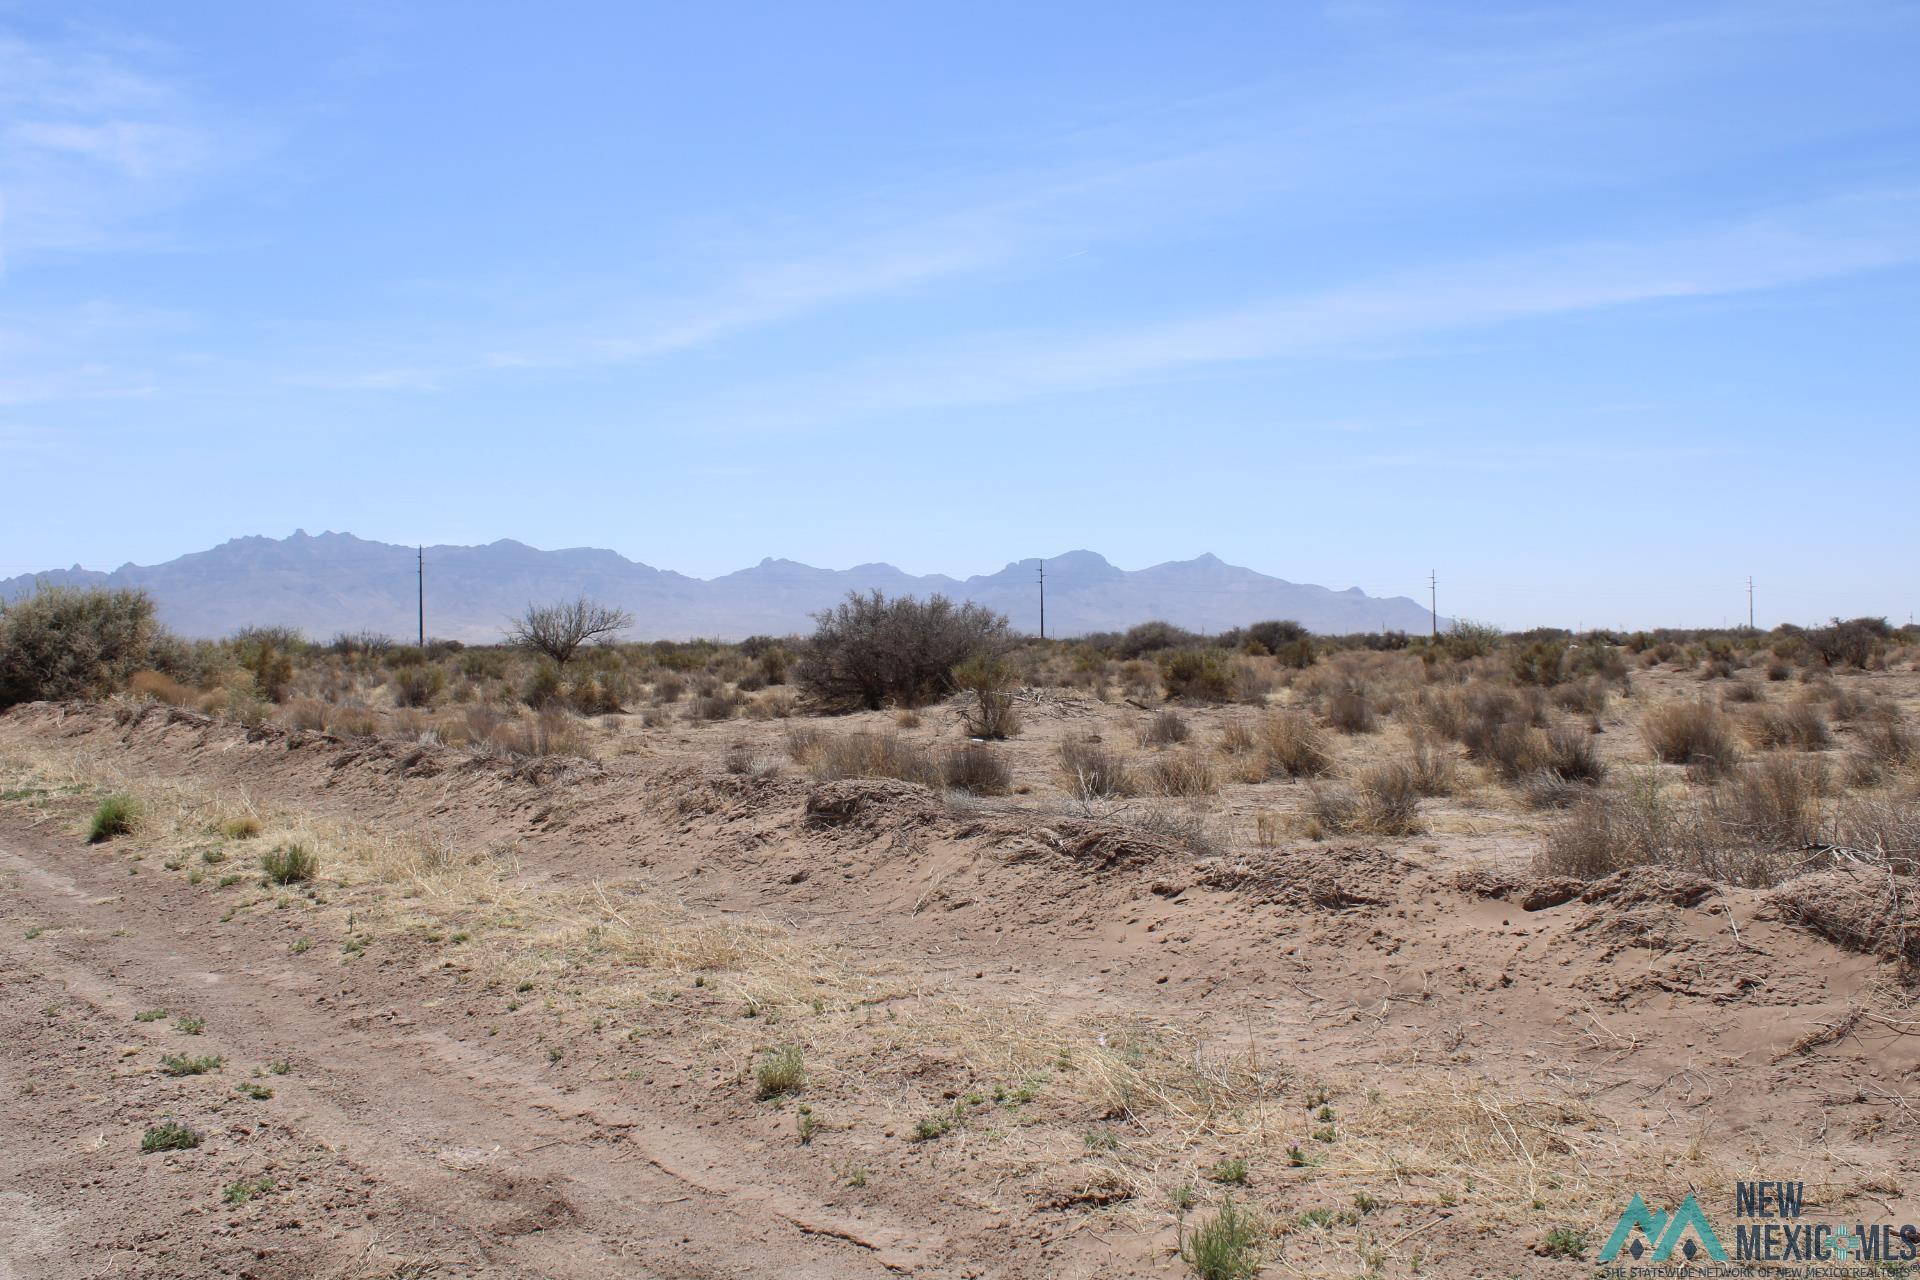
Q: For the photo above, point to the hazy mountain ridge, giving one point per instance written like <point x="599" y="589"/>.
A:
<point x="336" y="582"/>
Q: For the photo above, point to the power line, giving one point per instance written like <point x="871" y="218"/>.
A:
<point x="1433" y="600"/>
<point x="1043" y="599"/>
<point x="420" y="569"/>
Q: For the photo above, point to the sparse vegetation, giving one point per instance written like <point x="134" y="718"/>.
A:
<point x="781" y="1072"/>
<point x="1224" y="1246"/>
<point x="169" y="1135"/>
<point x="112" y="817"/>
<point x="289" y="864"/>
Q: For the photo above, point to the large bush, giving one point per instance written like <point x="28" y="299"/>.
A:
<point x="870" y="650"/>
<point x="64" y="642"/>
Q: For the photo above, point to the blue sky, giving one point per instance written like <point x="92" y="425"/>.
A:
<point x="1595" y="309"/>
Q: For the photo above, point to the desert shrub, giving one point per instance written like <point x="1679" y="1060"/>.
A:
<point x="991" y="680"/>
<point x="1889" y="743"/>
<point x="1165" y="729"/>
<point x="1773" y="801"/>
<point x="781" y="1071"/>
<point x="1237" y="738"/>
<point x="1151" y="637"/>
<point x="804" y="743"/>
<point x="865" y="754"/>
<point x="1350" y="710"/>
<point x="1094" y="772"/>
<point x="545" y="686"/>
<point x="668" y="687"/>
<point x="558" y="630"/>
<point x="1543" y="663"/>
<point x="1183" y="826"/>
<point x="1466" y="638"/>
<point x="1854" y="643"/>
<point x="114" y="816"/>
<point x="306" y="713"/>
<point x="1431" y="763"/>
<point x="1741" y="691"/>
<point x="1574" y="755"/>
<point x="551" y="732"/>
<point x="1513" y="749"/>
<point x="771" y="704"/>
<point x="158" y="687"/>
<point x="417" y="685"/>
<point x="1181" y="773"/>
<point x="1203" y="675"/>
<point x="1778" y="671"/>
<point x="1253" y="682"/>
<point x="60" y="642"/>
<point x="1383" y="801"/>
<point x="1223" y="1247"/>
<point x="977" y="769"/>
<point x="1287" y="641"/>
<point x="353" y="721"/>
<point x="774" y="664"/>
<point x="267" y="654"/>
<point x="870" y="650"/>
<point x="1799" y="724"/>
<point x="289" y="864"/>
<point x="1609" y="830"/>
<point x="712" y="706"/>
<point x="1292" y="745"/>
<point x="1691" y="733"/>
<point x="1585" y="697"/>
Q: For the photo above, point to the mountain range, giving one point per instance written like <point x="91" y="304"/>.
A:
<point x="336" y="582"/>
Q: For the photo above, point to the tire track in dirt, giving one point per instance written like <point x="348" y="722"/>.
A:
<point x="459" y="1136"/>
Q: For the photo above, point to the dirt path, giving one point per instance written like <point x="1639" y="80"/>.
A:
<point x="391" y="1140"/>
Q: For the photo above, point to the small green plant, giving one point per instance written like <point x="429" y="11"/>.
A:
<point x="781" y="1071"/>
<point x="1183" y="1198"/>
<point x="1223" y="1247"/>
<point x="228" y="881"/>
<point x="855" y="1175"/>
<point x="1364" y="1203"/>
<point x="289" y="864"/>
<point x="183" y="1064"/>
<point x="937" y="1125"/>
<point x="258" y="1092"/>
<point x="114" y="816"/>
<point x="1101" y="1140"/>
<point x="150" y="1015"/>
<point x="279" y="1068"/>
<point x="1324" y="1115"/>
<point x="300" y="946"/>
<point x="1232" y="1172"/>
<point x="188" y="1024"/>
<point x="169" y="1135"/>
<point x="1315" y="1218"/>
<point x="1296" y="1157"/>
<point x="806" y="1124"/>
<point x="1564" y="1242"/>
<point x="246" y="1189"/>
<point x="213" y="856"/>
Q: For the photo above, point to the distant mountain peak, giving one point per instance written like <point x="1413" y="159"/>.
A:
<point x="471" y="591"/>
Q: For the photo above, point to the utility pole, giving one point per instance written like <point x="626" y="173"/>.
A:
<point x="1433" y="600"/>
<point x="1750" y="626"/>
<point x="420" y="571"/>
<point x="1043" y="599"/>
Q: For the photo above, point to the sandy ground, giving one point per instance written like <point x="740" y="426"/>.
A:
<point x="513" y="1026"/>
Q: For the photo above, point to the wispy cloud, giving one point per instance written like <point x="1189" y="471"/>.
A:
<point x="92" y="144"/>
<point x="1780" y="248"/>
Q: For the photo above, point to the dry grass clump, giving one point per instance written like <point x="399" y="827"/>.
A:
<point x="552" y="732"/>
<point x="1350" y="710"/>
<point x="1692" y="733"/>
<point x="1773" y="801"/>
<point x="1293" y="746"/>
<point x="1645" y="824"/>
<point x="1799" y="724"/>
<point x="1185" y="773"/>
<point x="1741" y="691"/>
<point x="978" y="770"/>
<point x="304" y="713"/>
<point x="866" y="754"/>
<point x="1092" y="771"/>
<point x="1167" y="728"/>
<point x="1384" y="800"/>
<point x="1583" y="697"/>
<point x="1432" y="763"/>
